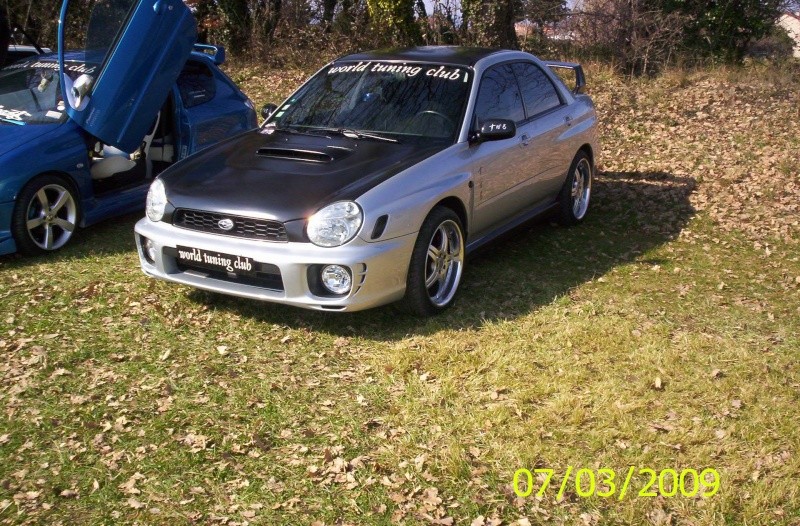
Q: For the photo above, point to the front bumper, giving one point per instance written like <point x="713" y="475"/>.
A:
<point x="378" y="269"/>
<point x="7" y="244"/>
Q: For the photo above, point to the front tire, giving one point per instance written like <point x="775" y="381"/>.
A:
<point x="577" y="191"/>
<point x="45" y="216"/>
<point x="437" y="264"/>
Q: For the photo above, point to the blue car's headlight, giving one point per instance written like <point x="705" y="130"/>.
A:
<point x="156" y="201"/>
<point x="335" y="224"/>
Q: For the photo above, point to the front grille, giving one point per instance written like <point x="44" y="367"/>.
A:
<point x="271" y="279"/>
<point x="245" y="227"/>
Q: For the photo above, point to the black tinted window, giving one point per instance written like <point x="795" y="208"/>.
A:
<point x="538" y="92"/>
<point x="196" y="84"/>
<point x="498" y="97"/>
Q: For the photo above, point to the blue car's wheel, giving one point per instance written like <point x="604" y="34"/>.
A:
<point x="45" y="216"/>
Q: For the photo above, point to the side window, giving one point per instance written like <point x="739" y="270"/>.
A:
<point x="498" y="96"/>
<point x="538" y="91"/>
<point x="196" y="84"/>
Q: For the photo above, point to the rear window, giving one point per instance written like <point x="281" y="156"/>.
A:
<point x="538" y="91"/>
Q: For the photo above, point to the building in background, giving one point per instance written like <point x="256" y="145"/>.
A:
<point x="791" y="23"/>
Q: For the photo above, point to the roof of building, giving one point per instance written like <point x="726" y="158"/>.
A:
<point x="796" y="16"/>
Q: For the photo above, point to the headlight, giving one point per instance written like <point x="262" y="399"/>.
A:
<point x="335" y="224"/>
<point x="156" y="201"/>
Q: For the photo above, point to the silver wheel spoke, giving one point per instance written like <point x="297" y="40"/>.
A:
<point x="41" y="196"/>
<point x="442" y="248"/>
<point x="433" y="253"/>
<point x="452" y="251"/>
<point x="432" y="278"/>
<point x="35" y="223"/>
<point x="64" y="224"/>
<point x="48" y="237"/>
<point x="60" y="202"/>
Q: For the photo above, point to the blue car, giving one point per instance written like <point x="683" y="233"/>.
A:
<point x="84" y="132"/>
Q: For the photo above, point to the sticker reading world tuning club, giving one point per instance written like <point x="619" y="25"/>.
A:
<point x="442" y="72"/>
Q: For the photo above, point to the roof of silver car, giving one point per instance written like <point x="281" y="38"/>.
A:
<point x="457" y="56"/>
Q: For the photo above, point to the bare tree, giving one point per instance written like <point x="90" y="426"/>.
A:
<point x="38" y="19"/>
<point x="491" y="24"/>
<point x="638" y="35"/>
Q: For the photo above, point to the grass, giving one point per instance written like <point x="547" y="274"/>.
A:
<point x="661" y="333"/>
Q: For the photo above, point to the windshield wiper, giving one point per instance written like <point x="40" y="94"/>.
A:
<point x="287" y="129"/>
<point x="355" y="134"/>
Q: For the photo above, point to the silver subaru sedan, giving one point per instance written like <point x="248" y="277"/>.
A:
<point x="372" y="182"/>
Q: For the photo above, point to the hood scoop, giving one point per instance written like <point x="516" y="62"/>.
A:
<point x="292" y="154"/>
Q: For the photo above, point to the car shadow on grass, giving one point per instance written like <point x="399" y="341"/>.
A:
<point x="111" y="237"/>
<point x="631" y="214"/>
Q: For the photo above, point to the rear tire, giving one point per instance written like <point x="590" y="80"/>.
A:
<point x="45" y="216"/>
<point x="577" y="191"/>
<point x="437" y="264"/>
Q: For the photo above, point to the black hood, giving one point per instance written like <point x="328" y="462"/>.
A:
<point x="284" y="176"/>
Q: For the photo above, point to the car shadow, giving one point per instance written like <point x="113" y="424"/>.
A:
<point x="112" y="236"/>
<point x="631" y="214"/>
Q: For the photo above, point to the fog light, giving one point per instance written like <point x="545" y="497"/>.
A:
<point x="337" y="279"/>
<point x="149" y="250"/>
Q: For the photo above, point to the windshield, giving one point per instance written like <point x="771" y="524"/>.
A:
<point x="30" y="92"/>
<point x="401" y="100"/>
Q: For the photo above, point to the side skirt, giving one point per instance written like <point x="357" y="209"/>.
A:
<point x="511" y="224"/>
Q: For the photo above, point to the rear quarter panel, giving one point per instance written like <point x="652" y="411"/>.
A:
<point x="224" y="116"/>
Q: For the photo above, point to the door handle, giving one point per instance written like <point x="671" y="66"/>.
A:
<point x="568" y="120"/>
<point x="525" y="139"/>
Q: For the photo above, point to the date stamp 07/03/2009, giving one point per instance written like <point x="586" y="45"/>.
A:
<point x="603" y="482"/>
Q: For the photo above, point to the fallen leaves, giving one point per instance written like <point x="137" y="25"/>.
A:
<point x="69" y="494"/>
<point x="196" y="442"/>
<point x="741" y="155"/>
<point x="129" y="486"/>
<point x="135" y="503"/>
<point x="280" y="406"/>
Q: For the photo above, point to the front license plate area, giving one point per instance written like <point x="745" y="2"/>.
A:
<point x="217" y="261"/>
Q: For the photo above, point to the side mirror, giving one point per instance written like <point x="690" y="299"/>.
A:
<point x="82" y="86"/>
<point x="495" y="130"/>
<point x="267" y="110"/>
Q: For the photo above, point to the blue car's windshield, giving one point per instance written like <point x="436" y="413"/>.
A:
<point x="30" y="92"/>
<point x="424" y="101"/>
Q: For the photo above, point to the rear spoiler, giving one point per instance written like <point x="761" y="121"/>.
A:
<point x="580" y="78"/>
<point x="215" y="53"/>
